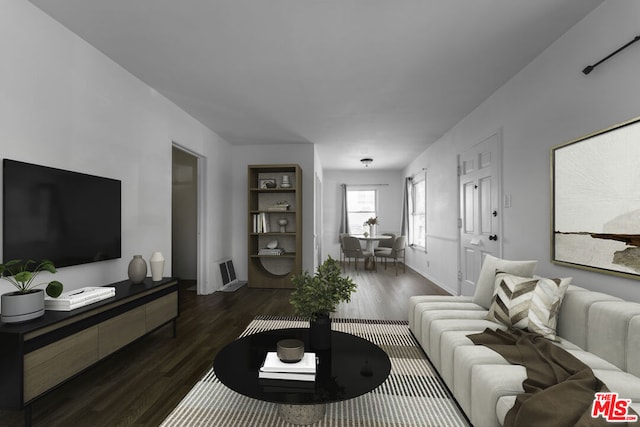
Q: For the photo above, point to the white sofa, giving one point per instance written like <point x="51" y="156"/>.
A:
<point x="599" y="329"/>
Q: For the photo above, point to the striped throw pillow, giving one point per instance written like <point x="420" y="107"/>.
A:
<point x="526" y="303"/>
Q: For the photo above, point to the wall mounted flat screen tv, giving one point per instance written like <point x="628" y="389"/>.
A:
<point x="67" y="217"/>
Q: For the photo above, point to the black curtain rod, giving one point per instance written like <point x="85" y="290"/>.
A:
<point x="590" y="68"/>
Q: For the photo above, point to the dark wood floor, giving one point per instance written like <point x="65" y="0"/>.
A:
<point x="140" y="384"/>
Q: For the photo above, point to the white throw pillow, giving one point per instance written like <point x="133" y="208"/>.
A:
<point x="526" y="303"/>
<point x="487" y="277"/>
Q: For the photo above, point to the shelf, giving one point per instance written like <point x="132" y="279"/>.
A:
<point x="273" y="212"/>
<point x="274" y="271"/>
<point x="273" y="190"/>
<point x="274" y="233"/>
<point x="286" y="255"/>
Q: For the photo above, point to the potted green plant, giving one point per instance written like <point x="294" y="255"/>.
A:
<point x="315" y="297"/>
<point x="27" y="302"/>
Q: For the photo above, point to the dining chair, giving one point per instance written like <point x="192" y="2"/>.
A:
<point x="353" y="249"/>
<point x="397" y="252"/>
<point x="385" y="245"/>
<point x="341" y="238"/>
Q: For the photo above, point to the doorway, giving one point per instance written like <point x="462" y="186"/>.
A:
<point x="184" y="217"/>
<point x="480" y="221"/>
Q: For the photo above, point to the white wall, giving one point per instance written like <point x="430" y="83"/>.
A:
<point x="64" y="104"/>
<point x="548" y="103"/>
<point x="236" y="195"/>
<point x="389" y="203"/>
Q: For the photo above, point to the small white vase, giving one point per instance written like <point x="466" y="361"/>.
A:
<point x="157" y="266"/>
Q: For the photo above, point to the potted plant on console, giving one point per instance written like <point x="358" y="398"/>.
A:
<point x="315" y="297"/>
<point x="27" y="302"/>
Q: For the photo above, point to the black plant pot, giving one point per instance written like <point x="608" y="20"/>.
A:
<point x="320" y="332"/>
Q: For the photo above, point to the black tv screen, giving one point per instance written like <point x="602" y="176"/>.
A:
<point x="67" y="217"/>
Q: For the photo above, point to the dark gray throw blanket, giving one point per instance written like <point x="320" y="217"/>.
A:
<point x="559" y="389"/>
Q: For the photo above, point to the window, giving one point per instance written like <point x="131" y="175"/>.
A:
<point x="418" y="207"/>
<point x="362" y="205"/>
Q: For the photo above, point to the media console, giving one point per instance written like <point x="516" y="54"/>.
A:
<point x="38" y="355"/>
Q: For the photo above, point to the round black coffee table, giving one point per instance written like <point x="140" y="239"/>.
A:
<point x="352" y="367"/>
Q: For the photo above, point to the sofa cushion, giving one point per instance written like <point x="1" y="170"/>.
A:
<point x="623" y="383"/>
<point x="427" y="307"/>
<point x="592" y="361"/>
<point x="527" y="303"/>
<point x="574" y="314"/>
<point x="505" y="403"/>
<point x="430" y="316"/>
<point x="633" y="347"/>
<point x="608" y="330"/>
<point x="438" y="327"/>
<point x="417" y="299"/>
<point x="486" y="278"/>
<point x="465" y="357"/>
<point x="488" y="384"/>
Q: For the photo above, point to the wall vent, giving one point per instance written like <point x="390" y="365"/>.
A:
<point x="227" y="272"/>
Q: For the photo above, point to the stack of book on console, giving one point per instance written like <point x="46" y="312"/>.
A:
<point x="273" y="368"/>
<point x="77" y="298"/>
<point x="274" y="251"/>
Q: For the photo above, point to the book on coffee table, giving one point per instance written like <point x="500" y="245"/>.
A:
<point x="274" y="368"/>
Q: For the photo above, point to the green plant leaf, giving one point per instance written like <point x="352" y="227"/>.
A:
<point x="322" y="292"/>
<point x="23" y="276"/>
<point x="48" y="266"/>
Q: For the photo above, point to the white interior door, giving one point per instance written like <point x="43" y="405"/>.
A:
<point x="480" y="219"/>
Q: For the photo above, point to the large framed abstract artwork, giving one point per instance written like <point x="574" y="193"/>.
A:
<point x="596" y="201"/>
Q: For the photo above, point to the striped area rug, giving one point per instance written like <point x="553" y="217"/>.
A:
<point x="412" y="395"/>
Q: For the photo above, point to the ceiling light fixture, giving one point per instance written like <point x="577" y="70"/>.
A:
<point x="366" y="161"/>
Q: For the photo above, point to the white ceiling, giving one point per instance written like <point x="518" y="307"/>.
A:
<point x="359" y="78"/>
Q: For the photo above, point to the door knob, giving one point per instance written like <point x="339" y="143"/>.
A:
<point x="493" y="237"/>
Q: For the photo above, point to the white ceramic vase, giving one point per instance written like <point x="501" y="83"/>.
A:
<point x="157" y="266"/>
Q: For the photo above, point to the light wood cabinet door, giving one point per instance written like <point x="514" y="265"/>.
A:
<point x="48" y="366"/>
<point x="119" y="331"/>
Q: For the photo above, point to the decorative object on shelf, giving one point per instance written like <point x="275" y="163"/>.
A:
<point x="271" y="251"/>
<point x="372" y="223"/>
<point x="315" y="297"/>
<point x="285" y="182"/>
<point x="272" y="244"/>
<point x="157" y="266"/>
<point x="280" y="206"/>
<point x="268" y="183"/>
<point x="26" y="303"/>
<point x="283" y="224"/>
<point x="137" y="270"/>
<point x="290" y="350"/>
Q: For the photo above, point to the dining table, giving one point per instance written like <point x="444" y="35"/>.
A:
<point x="370" y="262"/>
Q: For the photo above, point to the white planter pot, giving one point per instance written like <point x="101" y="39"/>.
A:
<point x="19" y="307"/>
